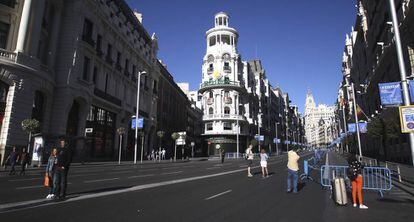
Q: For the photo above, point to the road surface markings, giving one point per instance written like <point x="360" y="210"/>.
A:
<point x="212" y="168"/>
<point x="176" y="172"/>
<point x="31" y="187"/>
<point x="94" y="181"/>
<point x="127" y="171"/>
<point x="83" y="175"/>
<point x="217" y="195"/>
<point x="31" y="204"/>
<point x="147" y="170"/>
<point x="170" y="168"/>
<point x="139" y="176"/>
<point x="243" y="166"/>
<point x="35" y="178"/>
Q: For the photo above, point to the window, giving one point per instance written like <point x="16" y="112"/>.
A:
<point x="220" y="21"/>
<point x="126" y="66"/>
<point x="95" y="74"/>
<point x="155" y="87"/>
<point x="109" y="53"/>
<point x="227" y="126"/>
<point x="87" y="32"/>
<point x="9" y="3"/>
<point x="209" y="126"/>
<point x="106" y="83"/>
<point x="226" y="66"/>
<point x="226" y="110"/>
<point x="4" y="32"/>
<point x="212" y="40"/>
<point x="99" y="43"/>
<point x="210" y="68"/>
<point x="118" y="58"/>
<point x="226" y="93"/>
<point x="86" y="63"/>
<point x="210" y="111"/>
<point x="225" y="39"/>
<point x="210" y="95"/>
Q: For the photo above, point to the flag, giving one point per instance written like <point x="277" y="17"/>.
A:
<point x="361" y="112"/>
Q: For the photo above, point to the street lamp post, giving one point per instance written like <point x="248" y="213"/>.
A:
<point x="121" y="131"/>
<point x="136" y="116"/>
<point x="277" y="148"/>
<point x="356" y="119"/>
<point x="402" y="67"/>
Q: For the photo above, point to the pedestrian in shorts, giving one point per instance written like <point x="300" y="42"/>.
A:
<point x="263" y="163"/>
<point x="249" y="157"/>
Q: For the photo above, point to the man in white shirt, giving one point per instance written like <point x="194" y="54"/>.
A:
<point x="163" y="153"/>
<point x="249" y="157"/>
<point x="293" y="169"/>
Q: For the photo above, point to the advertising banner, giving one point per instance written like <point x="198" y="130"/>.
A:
<point x="351" y="128"/>
<point x="407" y="119"/>
<point x="140" y="123"/>
<point x="362" y="127"/>
<point x="390" y="93"/>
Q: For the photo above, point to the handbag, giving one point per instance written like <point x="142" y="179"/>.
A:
<point x="46" y="181"/>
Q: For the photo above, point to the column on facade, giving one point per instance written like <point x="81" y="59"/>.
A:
<point x="54" y="36"/>
<point x="24" y="25"/>
<point x="36" y="29"/>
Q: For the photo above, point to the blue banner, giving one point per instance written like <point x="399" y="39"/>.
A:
<point x="390" y="93"/>
<point x="351" y="128"/>
<point x="362" y="127"/>
<point x="140" y="123"/>
<point x="411" y="89"/>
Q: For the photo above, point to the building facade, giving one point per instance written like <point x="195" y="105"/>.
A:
<point x="319" y="122"/>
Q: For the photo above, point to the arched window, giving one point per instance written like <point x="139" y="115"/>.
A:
<point x="210" y="95"/>
<point x="226" y="57"/>
<point x="226" y="110"/>
<point x="210" y="58"/>
<point x="210" y="111"/>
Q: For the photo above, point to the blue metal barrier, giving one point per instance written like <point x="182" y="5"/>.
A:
<point x="311" y="163"/>
<point x="374" y="178"/>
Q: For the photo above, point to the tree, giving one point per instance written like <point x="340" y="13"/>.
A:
<point x="30" y="126"/>
<point x="175" y="136"/>
<point x="160" y="135"/>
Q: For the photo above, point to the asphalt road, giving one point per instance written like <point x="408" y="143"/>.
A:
<point x="189" y="191"/>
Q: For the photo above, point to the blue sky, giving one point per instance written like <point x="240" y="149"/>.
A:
<point x="299" y="42"/>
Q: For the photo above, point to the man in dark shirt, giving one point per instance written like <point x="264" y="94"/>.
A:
<point x="13" y="158"/>
<point x="64" y="158"/>
<point x="24" y="158"/>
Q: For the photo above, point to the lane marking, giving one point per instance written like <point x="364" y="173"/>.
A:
<point x="212" y="168"/>
<point x="16" y="180"/>
<point x="32" y="187"/>
<point x="31" y="204"/>
<point x="127" y="171"/>
<point x="176" y="172"/>
<point x="83" y="175"/>
<point x="94" y="181"/>
<point x="139" y="176"/>
<point x="171" y="168"/>
<point x="217" y="195"/>
<point x="242" y="166"/>
<point x="147" y="170"/>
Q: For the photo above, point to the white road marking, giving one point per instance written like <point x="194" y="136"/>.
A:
<point x="16" y="180"/>
<point x="94" y="181"/>
<point x="147" y="170"/>
<point x="171" y="168"/>
<point x="176" y="172"/>
<point x="212" y="168"/>
<point x="217" y="195"/>
<point x="243" y="166"/>
<point x="32" y="187"/>
<point x="127" y="171"/>
<point x="83" y="175"/>
<point x="138" y="176"/>
<point x="43" y="203"/>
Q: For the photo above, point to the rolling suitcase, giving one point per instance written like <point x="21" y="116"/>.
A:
<point x="339" y="191"/>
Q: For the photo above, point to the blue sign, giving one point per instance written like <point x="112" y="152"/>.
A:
<point x="259" y="137"/>
<point x="362" y="127"/>
<point x="140" y="123"/>
<point x="390" y="93"/>
<point x="276" y="140"/>
<point x="411" y="89"/>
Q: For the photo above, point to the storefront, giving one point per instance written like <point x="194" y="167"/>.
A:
<point x="100" y="133"/>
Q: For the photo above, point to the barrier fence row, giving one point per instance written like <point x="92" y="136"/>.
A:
<point x="374" y="178"/>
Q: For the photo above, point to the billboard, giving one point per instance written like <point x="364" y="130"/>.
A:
<point x="407" y="119"/>
<point x="390" y="93"/>
<point x="140" y="123"/>
<point x="362" y="127"/>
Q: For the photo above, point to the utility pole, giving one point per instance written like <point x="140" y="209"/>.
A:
<point x="356" y="119"/>
<point x="401" y="65"/>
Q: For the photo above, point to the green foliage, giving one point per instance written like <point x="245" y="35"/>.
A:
<point x="30" y="125"/>
<point x="160" y="134"/>
<point x="253" y="142"/>
<point x="375" y="128"/>
<point x="175" y="136"/>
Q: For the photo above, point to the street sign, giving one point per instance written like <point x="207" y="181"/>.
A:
<point x="88" y="130"/>
<point x="218" y="146"/>
<point x="140" y="123"/>
<point x="407" y="119"/>
<point x="180" y="141"/>
<point x="276" y="140"/>
<point x="390" y="93"/>
<point x="259" y="137"/>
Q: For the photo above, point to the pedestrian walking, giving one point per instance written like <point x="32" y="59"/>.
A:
<point x="50" y="172"/>
<point x="293" y="169"/>
<point x="355" y="175"/>
<point x="24" y="159"/>
<point x="222" y="155"/>
<point x="163" y="152"/>
<point x="64" y="158"/>
<point x="249" y="157"/>
<point x="263" y="163"/>
<point x="13" y="158"/>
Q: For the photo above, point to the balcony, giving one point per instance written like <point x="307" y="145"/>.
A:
<point x="219" y="83"/>
<point x="234" y="117"/>
<point x="7" y="55"/>
<point x="107" y="97"/>
<point x="89" y="40"/>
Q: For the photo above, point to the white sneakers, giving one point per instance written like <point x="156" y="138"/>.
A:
<point x="250" y="175"/>
<point x="50" y="196"/>
<point x="362" y="206"/>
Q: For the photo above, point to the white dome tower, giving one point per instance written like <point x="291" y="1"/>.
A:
<point x="222" y="88"/>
